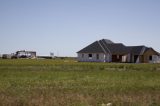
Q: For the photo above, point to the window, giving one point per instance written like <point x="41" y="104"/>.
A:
<point x="82" y="55"/>
<point x="97" y="56"/>
<point x="150" y="58"/>
<point x="90" y="56"/>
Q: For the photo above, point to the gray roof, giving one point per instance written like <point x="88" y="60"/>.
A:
<point x="117" y="48"/>
<point x="92" y="48"/>
<point x="103" y="46"/>
<point x="136" y="50"/>
<point x="107" y="46"/>
<point x="107" y="41"/>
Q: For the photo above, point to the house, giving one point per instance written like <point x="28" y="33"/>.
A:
<point x="107" y="51"/>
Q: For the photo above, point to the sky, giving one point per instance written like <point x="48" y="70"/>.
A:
<point x="66" y="26"/>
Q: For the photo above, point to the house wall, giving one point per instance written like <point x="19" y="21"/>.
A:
<point x="155" y="59"/>
<point x="131" y="58"/>
<point x="108" y="58"/>
<point x="147" y="54"/>
<point x="84" y="57"/>
<point x="128" y="58"/>
<point x="135" y="58"/>
<point x="117" y="58"/>
<point x="125" y="58"/>
<point x="141" y="59"/>
<point x="138" y="60"/>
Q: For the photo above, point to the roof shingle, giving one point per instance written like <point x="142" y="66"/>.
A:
<point x="107" y="46"/>
<point x="92" y="48"/>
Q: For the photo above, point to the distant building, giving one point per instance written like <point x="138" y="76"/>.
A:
<point x="107" y="51"/>
<point x="25" y="54"/>
<point x="6" y="56"/>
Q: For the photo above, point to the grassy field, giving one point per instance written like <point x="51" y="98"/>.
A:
<point x="69" y="83"/>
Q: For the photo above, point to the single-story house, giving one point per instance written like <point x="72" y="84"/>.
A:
<point x="107" y="51"/>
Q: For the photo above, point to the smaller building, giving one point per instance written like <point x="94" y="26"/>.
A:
<point x="6" y="56"/>
<point x="25" y="54"/>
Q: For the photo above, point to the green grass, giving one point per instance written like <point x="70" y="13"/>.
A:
<point x="69" y="83"/>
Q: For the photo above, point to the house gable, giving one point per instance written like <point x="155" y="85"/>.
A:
<point x="150" y="52"/>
